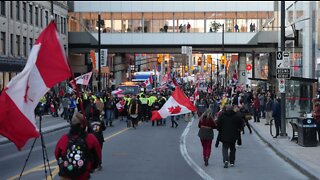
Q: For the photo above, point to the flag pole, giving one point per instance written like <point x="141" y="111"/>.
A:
<point x="84" y="124"/>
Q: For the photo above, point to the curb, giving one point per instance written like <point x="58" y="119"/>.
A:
<point x="302" y="167"/>
<point x="4" y="140"/>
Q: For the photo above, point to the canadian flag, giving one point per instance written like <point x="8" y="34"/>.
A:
<point x="147" y="82"/>
<point x="196" y="92"/>
<point x="46" y="66"/>
<point x="117" y="92"/>
<point x="177" y="104"/>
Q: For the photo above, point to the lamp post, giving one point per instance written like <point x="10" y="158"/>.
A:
<point x="99" y="51"/>
<point x="225" y="67"/>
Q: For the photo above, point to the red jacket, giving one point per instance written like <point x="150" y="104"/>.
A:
<point x="93" y="147"/>
<point x="256" y="104"/>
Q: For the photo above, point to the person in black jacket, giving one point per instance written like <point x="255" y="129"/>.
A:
<point x="229" y="124"/>
<point x="97" y="126"/>
<point x="276" y="114"/>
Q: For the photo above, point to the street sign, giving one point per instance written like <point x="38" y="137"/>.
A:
<point x="283" y="65"/>
<point x="279" y="55"/>
<point x="282" y="85"/>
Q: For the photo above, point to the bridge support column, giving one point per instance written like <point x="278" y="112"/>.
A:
<point x="242" y="69"/>
<point x="119" y="69"/>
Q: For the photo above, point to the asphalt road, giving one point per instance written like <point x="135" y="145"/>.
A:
<point x="152" y="153"/>
<point x="254" y="160"/>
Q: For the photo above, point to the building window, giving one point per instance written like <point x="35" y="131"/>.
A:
<point x="11" y="9"/>
<point x="47" y="18"/>
<point x="11" y="44"/>
<point x="3" y="8"/>
<point x="30" y="14"/>
<point x="24" y="11"/>
<point x="17" y="45"/>
<point x="18" y="10"/>
<point x="24" y="42"/>
<point x="61" y="25"/>
<point x="37" y="15"/>
<point x="2" y="43"/>
<point x="64" y="26"/>
<point x="41" y="18"/>
<point x="30" y="44"/>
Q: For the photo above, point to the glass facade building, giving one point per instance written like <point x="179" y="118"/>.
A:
<point x="176" y="22"/>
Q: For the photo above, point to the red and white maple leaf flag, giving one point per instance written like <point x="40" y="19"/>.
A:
<point x="177" y="104"/>
<point x="147" y="82"/>
<point x="46" y="66"/>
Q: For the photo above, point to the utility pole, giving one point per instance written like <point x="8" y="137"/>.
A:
<point x="283" y="95"/>
<point x="225" y="67"/>
<point x="99" y="52"/>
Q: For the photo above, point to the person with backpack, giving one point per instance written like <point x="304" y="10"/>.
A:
<point x="77" y="152"/>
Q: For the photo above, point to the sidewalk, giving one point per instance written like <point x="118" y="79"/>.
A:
<point x="55" y="125"/>
<point x="306" y="159"/>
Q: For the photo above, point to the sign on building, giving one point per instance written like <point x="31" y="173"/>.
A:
<point x="104" y="56"/>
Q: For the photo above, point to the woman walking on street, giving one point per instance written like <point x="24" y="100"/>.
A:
<point x="206" y="126"/>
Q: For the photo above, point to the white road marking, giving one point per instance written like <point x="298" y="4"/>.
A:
<point x="184" y="152"/>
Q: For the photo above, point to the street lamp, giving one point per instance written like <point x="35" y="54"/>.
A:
<point x="225" y="68"/>
<point x="99" y="51"/>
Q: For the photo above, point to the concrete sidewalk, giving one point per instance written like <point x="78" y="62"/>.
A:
<point x="58" y="124"/>
<point x="306" y="159"/>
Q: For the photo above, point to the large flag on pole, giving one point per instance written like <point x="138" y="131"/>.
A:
<point x="83" y="79"/>
<point x="46" y="66"/>
<point x="177" y="104"/>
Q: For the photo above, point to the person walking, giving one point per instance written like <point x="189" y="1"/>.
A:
<point x="206" y="125"/>
<point x="134" y="111"/>
<point x="316" y="114"/>
<point x="229" y="124"/>
<point x="188" y="27"/>
<point x="77" y="146"/>
<point x="262" y="99"/>
<point x="109" y="109"/>
<point x="276" y="114"/>
<point x="201" y="107"/>
<point x="256" y="108"/>
<point x="269" y="104"/>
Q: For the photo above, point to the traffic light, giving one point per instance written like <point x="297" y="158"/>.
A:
<point x="209" y="59"/>
<point x="199" y="61"/>
<point x="159" y="59"/>
<point x="223" y="60"/>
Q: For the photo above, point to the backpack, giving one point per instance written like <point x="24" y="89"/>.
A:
<point x="74" y="163"/>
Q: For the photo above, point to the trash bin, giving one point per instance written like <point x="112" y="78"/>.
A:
<point x="307" y="132"/>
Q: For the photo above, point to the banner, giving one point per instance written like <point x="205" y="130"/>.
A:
<point x="84" y="79"/>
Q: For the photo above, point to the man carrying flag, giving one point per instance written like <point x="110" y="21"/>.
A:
<point x="177" y="104"/>
<point x="46" y="66"/>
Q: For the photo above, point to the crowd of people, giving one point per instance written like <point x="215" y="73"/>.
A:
<point x="226" y="109"/>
